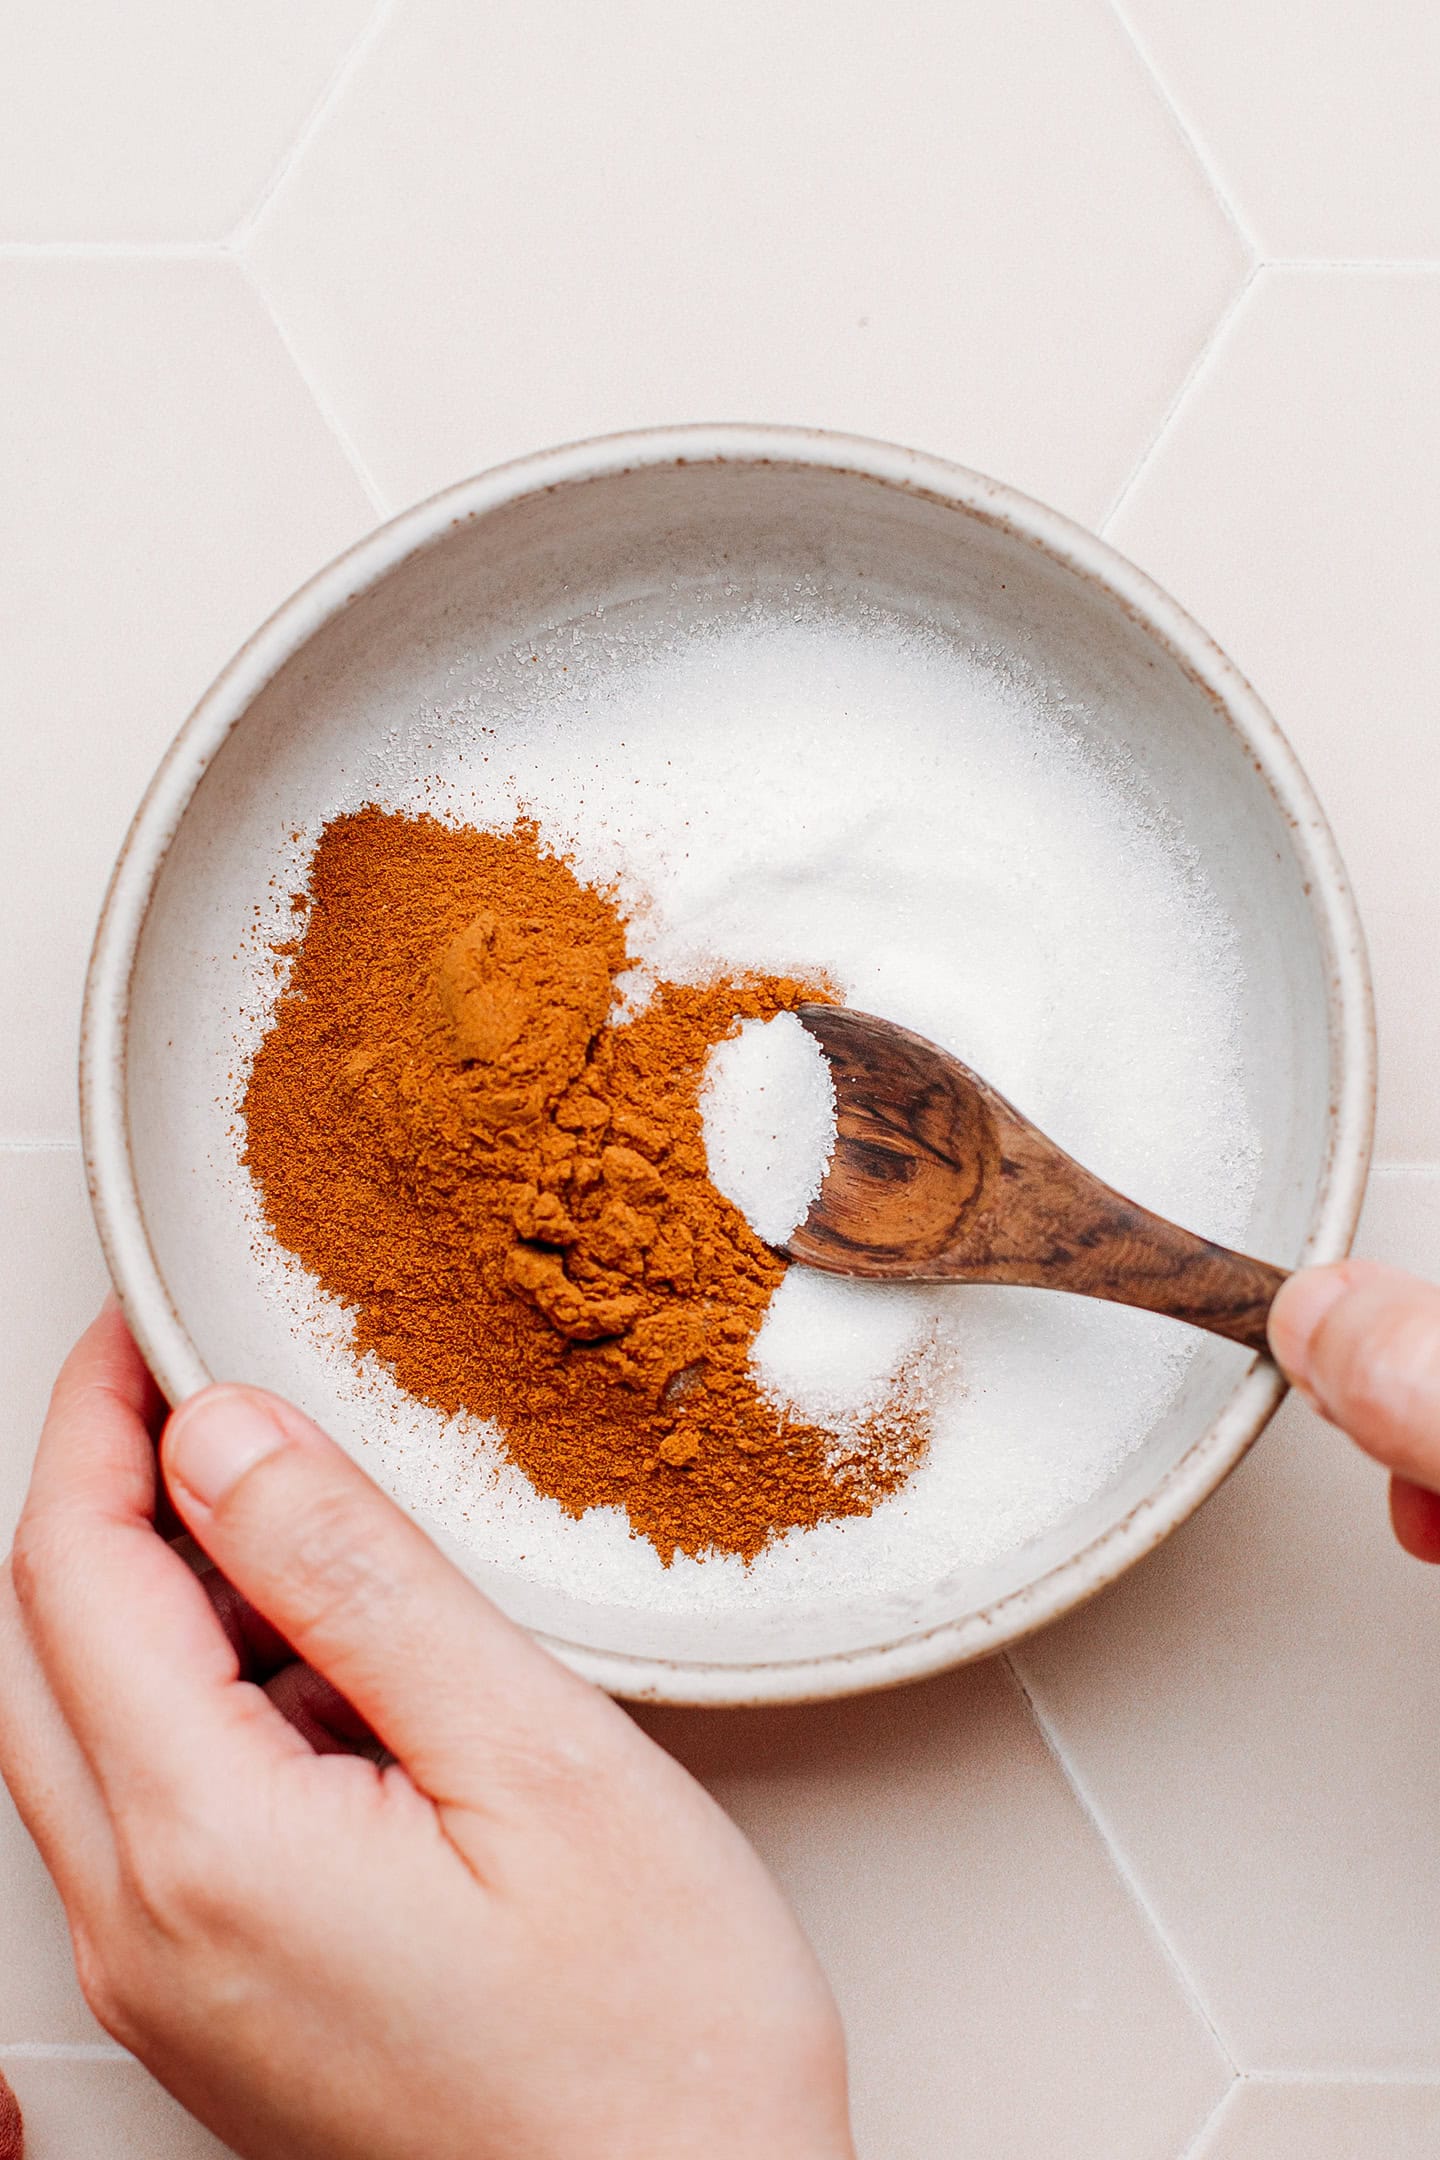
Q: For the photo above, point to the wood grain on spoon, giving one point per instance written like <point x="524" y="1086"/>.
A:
<point x="937" y="1178"/>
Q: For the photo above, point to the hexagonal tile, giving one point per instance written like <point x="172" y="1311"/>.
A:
<point x="1001" y="1992"/>
<point x="155" y="119"/>
<point x="1324" y="2121"/>
<point x="1252" y="1714"/>
<point x="168" y="481"/>
<point x="1320" y="118"/>
<point x="970" y="228"/>
<point x="1292" y="505"/>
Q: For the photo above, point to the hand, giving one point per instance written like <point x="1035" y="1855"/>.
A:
<point x="530" y="1937"/>
<point x="1362" y="1344"/>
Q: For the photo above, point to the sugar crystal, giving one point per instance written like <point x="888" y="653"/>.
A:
<point x="768" y="1106"/>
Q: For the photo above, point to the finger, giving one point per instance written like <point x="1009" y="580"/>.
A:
<point x="319" y="1712"/>
<point x="106" y="1376"/>
<point x="1363" y="1342"/>
<point x="167" y="1522"/>
<point x="49" y="1779"/>
<point x="260" y="1649"/>
<point x="148" y="1398"/>
<point x="1415" y="1516"/>
<point x="1302" y="1302"/>
<point x="128" y="1642"/>
<point x="441" y="1677"/>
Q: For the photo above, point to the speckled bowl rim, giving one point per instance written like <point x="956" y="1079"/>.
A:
<point x="115" y="1198"/>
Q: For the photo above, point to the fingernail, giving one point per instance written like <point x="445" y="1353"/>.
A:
<point x="1298" y="1311"/>
<point x="215" y="1438"/>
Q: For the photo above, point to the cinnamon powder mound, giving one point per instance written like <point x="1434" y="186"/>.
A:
<point x="509" y="1190"/>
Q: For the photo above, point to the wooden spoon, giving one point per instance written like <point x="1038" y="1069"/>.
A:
<point x="936" y="1178"/>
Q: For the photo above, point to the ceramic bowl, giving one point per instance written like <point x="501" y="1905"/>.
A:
<point x="332" y="684"/>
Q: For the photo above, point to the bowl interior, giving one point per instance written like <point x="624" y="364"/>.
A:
<point x="356" y="696"/>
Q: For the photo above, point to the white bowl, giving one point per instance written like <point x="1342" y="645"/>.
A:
<point x="402" y="619"/>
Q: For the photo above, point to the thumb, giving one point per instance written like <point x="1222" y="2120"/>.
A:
<point x="439" y="1674"/>
<point x="1362" y="1343"/>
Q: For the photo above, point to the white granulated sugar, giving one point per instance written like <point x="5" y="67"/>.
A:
<point x="829" y="1346"/>
<point x="937" y="837"/>
<point x="768" y="1109"/>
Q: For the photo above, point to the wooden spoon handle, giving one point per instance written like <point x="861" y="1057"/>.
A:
<point x="1044" y="1219"/>
<point x="1135" y="1258"/>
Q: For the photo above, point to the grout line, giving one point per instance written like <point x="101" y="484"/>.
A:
<point x="1362" y="265"/>
<point x="63" y="2051"/>
<point x="1419" y="2080"/>
<point x="1192" y="375"/>
<point x="1191" y="2149"/>
<point x="1192" y="140"/>
<point x="322" y="404"/>
<point x="111" y="250"/>
<point x="206" y="250"/>
<point x="1085" y="1801"/>
<point x="245" y="231"/>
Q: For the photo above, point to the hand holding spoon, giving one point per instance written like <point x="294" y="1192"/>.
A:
<point x="937" y="1178"/>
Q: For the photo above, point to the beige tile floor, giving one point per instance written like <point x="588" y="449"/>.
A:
<point x="1165" y="1885"/>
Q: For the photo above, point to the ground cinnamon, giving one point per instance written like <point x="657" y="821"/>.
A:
<point x="509" y="1190"/>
